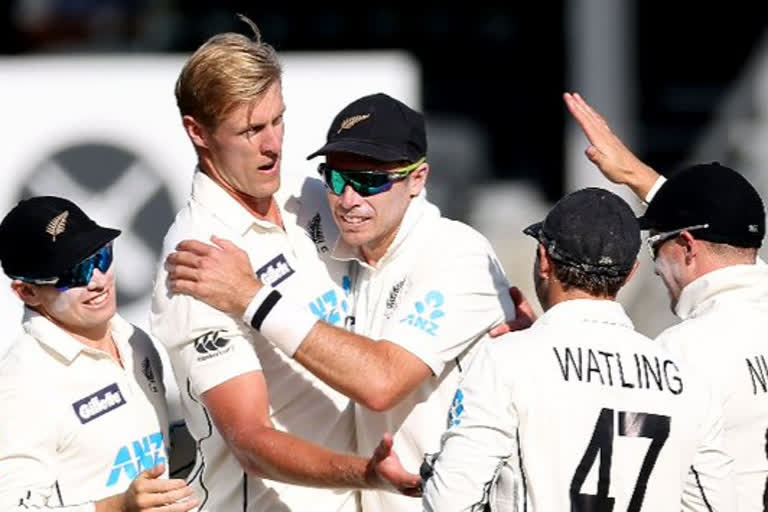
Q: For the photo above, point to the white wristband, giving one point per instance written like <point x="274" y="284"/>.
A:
<point x="281" y="322"/>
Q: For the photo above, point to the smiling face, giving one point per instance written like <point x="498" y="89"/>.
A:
<point x="243" y="152"/>
<point x="372" y="222"/>
<point x="84" y="310"/>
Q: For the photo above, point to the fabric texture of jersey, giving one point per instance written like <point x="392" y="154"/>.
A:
<point x="580" y="412"/>
<point x="722" y="335"/>
<point x="436" y="292"/>
<point x="207" y="347"/>
<point x="77" y="427"/>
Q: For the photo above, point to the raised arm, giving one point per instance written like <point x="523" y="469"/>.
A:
<point x="617" y="163"/>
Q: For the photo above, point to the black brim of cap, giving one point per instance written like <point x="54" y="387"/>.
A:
<point x="81" y="247"/>
<point x="361" y="148"/>
<point x="534" y="230"/>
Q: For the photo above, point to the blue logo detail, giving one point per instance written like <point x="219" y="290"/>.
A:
<point x="331" y="308"/>
<point x="456" y="410"/>
<point x="427" y="313"/>
<point x="147" y="453"/>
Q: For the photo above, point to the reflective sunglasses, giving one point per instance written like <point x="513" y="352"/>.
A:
<point x="81" y="274"/>
<point x="365" y="183"/>
<point x="654" y="241"/>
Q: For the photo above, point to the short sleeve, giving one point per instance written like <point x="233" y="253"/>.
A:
<point x="205" y="346"/>
<point x="451" y="302"/>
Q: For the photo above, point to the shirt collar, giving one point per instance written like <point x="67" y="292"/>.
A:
<point x="60" y="341"/>
<point x="417" y="216"/>
<point x="587" y="310"/>
<point x="742" y="282"/>
<point x="226" y="208"/>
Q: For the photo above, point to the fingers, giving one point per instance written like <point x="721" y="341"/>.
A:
<point x="225" y="244"/>
<point x="184" y="287"/>
<point x="500" y="330"/>
<point x="155" y="472"/>
<point x="186" y="259"/>
<point x="181" y="273"/>
<point x="591" y="123"/>
<point x="196" y="247"/>
<point x="180" y="506"/>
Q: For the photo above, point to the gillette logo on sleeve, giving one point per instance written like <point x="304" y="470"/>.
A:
<point x="98" y="403"/>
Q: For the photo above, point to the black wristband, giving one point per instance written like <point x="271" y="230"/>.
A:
<point x="264" y="309"/>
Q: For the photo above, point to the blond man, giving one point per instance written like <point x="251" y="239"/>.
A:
<point x="270" y="436"/>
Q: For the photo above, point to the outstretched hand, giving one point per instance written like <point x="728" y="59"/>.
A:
<point x="524" y="315"/>
<point x="388" y="472"/>
<point x="615" y="161"/>
<point x="219" y="275"/>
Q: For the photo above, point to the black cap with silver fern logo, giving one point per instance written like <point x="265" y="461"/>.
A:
<point x="45" y="236"/>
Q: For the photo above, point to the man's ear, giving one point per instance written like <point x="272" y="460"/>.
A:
<point x="197" y="133"/>
<point x="28" y="293"/>
<point x="546" y="268"/>
<point x="418" y="180"/>
<point x="690" y="246"/>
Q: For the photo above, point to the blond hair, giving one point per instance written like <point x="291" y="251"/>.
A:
<point x="227" y="70"/>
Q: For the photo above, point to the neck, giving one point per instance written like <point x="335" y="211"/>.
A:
<point x="375" y="250"/>
<point x="557" y="295"/>
<point x="263" y="208"/>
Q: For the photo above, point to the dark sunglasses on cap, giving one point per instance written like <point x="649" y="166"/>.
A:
<point x="81" y="274"/>
<point x="364" y="182"/>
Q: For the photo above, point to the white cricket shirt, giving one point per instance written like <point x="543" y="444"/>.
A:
<point x="208" y="347"/>
<point x="580" y="412"/>
<point x="436" y="292"/>
<point x="77" y="427"/>
<point x="722" y="334"/>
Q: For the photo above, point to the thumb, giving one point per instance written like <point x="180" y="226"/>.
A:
<point x="517" y="295"/>
<point x="384" y="448"/>
<point x="594" y="155"/>
<point x="155" y="472"/>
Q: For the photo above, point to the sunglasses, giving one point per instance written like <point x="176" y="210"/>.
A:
<point x="654" y="241"/>
<point x="82" y="273"/>
<point x="364" y="182"/>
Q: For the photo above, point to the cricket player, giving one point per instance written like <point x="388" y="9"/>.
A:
<point x="706" y="224"/>
<point x="84" y="426"/>
<point x="271" y="437"/>
<point x="426" y="290"/>
<point x="580" y="412"/>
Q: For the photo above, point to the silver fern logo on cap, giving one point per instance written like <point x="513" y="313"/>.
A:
<point x="352" y="121"/>
<point x="58" y="224"/>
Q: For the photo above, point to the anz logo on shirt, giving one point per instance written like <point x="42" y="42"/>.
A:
<point x="428" y="313"/>
<point x="456" y="410"/>
<point x="138" y="456"/>
<point x="332" y="308"/>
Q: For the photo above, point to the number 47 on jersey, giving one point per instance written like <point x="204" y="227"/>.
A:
<point x="630" y="424"/>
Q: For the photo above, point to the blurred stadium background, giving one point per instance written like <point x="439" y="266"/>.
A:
<point x="87" y="107"/>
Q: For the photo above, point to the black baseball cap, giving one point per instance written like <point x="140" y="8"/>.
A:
<point x="378" y="127"/>
<point x="591" y="229"/>
<point x="710" y="194"/>
<point x="45" y="236"/>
